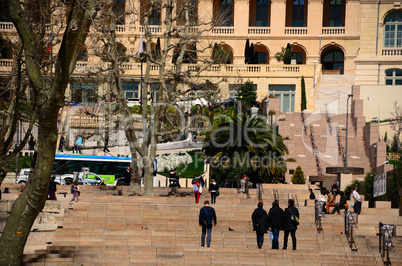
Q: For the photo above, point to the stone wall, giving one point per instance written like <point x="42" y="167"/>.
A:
<point x="46" y="220"/>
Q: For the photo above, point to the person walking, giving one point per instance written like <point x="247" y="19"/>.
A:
<point x="290" y="225"/>
<point x="105" y="148"/>
<point x="31" y="142"/>
<point x="276" y="217"/>
<point x="214" y="190"/>
<point x="127" y="177"/>
<point x="357" y="207"/>
<point x="61" y="143"/>
<point x="207" y="218"/>
<point x="78" y="144"/>
<point x="260" y="223"/>
<point x="76" y="192"/>
<point x="196" y="190"/>
<point x="52" y="188"/>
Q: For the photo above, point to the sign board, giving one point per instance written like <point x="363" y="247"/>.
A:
<point x="380" y="185"/>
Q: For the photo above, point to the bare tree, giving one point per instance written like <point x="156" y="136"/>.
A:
<point x="396" y="123"/>
<point x="175" y="57"/>
<point x="48" y="99"/>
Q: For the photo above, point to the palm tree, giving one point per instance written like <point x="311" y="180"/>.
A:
<point x="246" y="142"/>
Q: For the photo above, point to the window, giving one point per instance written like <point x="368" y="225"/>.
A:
<point x="393" y="76"/>
<point x="333" y="60"/>
<point x="155" y="16"/>
<point x="262" y="57"/>
<point x="393" y="30"/>
<point x="119" y="11"/>
<point x="82" y="55"/>
<point x="4" y="13"/>
<point x="192" y="9"/>
<point x="226" y="11"/>
<point x="335" y="13"/>
<point x="298" y="57"/>
<point x="286" y="95"/>
<point x="298" y="14"/>
<point x="5" y="50"/>
<point x="130" y="89"/>
<point x="262" y="16"/>
<point x="233" y="90"/>
<point x="84" y="92"/>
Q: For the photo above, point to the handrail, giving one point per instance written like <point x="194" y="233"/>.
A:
<point x="259" y="191"/>
<point x="276" y="194"/>
<point x="350" y="223"/>
<point x="385" y="241"/>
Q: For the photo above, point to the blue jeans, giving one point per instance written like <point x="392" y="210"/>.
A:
<point x="260" y="238"/>
<point x="275" y="240"/>
<point x="206" y="231"/>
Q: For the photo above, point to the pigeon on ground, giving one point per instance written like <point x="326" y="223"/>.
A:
<point x="230" y="229"/>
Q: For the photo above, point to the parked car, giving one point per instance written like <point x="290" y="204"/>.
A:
<point x="133" y="101"/>
<point x="23" y="176"/>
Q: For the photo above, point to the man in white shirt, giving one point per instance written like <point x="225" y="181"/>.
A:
<point x="358" y="201"/>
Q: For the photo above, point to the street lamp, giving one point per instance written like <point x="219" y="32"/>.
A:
<point x="319" y="48"/>
<point x="346" y="141"/>
<point x="315" y="64"/>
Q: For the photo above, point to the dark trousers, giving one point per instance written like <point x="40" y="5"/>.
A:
<point x="260" y="238"/>
<point x="357" y="207"/>
<point x="275" y="240"/>
<point x="285" y="239"/>
<point x="213" y="197"/>
<point x="206" y="230"/>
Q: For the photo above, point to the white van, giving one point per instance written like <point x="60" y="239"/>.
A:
<point x="22" y="178"/>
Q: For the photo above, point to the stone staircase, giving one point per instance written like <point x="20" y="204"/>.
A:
<point x="104" y="228"/>
<point x="319" y="142"/>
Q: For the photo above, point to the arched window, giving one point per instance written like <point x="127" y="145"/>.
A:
<point x="83" y="54"/>
<point x="222" y="54"/>
<point x="393" y="76"/>
<point x="393" y="29"/>
<point x="296" y="13"/>
<point x="261" y="54"/>
<point x="333" y="60"/>
<point x="299" y="54"/>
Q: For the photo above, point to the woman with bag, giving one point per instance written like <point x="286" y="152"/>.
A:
<point x="214" y="190"/>
<point x="291" y="212"/>
<point x="76" y="189"/>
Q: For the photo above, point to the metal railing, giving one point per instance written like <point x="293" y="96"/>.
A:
<point x="294" y="198"/>
<point x="276" y="194"/>
<point x="350" y="224"/>
<point x="318" y="207"/>
<point x="259" y="191"/>
<point x="385" y="241"/>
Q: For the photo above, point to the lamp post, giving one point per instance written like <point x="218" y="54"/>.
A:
<point x="315" y="64"/>
<point x="319" y="48"/>
<point x="347" y="126"/>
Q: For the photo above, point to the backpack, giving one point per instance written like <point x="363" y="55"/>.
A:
<point x="293" y="218"/>
<point x="200" y="188"/>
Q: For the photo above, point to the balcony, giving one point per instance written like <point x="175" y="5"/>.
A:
<point x="333" y="30"/>
<point x="259" y="30"/>
<point x="295" y="30"/>
<point x="391" y="51"/>
<point x="154" y="29"/>
<point x="6" y="26"/>
<point x="134" y="69"/>
<point x="120" y="28"/>
<point x="223" y="30"/>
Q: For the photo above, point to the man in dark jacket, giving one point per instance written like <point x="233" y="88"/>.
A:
<point x="127" y="176"/>
<point x="206" y="218"/>
<point x="260" y="223"/>
<point x="290" y="226"/>
<point x="275" y="220"/>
